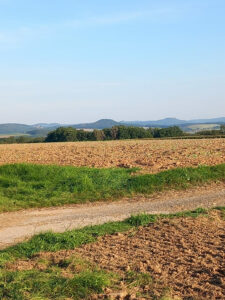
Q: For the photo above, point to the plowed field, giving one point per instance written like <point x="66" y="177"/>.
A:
<point x="186" y="255"/>
<point x="150" y="155"/>
<point x="184" y="258"/>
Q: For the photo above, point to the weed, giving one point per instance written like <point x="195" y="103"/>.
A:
<point x="138" y="279"/>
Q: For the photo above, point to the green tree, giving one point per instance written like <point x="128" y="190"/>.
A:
<point x="62" y="134"/>
<point x="173" y="131"/>
<point x="82" y="135"/>
<point x="98" y="135"/>
<point x="107" y="133"/>
<point x="114" y="132"/>
<point x="222" y="129"/>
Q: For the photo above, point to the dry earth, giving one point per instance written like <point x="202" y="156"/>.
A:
<point x="17" y="226"/>
<point x="150" y="155"/>
<point x="185" y="255"/>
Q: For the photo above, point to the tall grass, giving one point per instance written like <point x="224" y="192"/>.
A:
<point x="26" y="185"/>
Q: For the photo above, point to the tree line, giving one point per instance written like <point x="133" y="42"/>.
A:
<point x="121" y="132"/>
<point x="70" y="134"/>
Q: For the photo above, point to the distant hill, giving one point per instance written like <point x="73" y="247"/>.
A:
<point x="159" y="123"/>
<point x="40" y="132"/>
<point x="100" y="124"/>
<point x="13" y="128"/>
<point x="201" y="121"/>
<point x="42" y="129"/>
<point x="47" y="125"/>
<point x="173" y="122"/>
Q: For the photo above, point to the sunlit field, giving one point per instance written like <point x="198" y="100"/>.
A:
<point x="151" y="156"/>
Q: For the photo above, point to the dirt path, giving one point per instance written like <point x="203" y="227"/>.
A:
<point x="18" y="226"/>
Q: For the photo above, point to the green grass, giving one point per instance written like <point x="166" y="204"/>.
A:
<point x="74" y="278"/>
<point x="26" y="185"/>
<point x="51" y="283"/>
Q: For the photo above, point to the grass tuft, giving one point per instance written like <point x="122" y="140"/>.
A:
<point x="142" y="219"/>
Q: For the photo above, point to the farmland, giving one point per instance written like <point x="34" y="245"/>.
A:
<point x="151" y="156"/>
<point x="143" y="252"/>
<point x="161" y="257"/>
<point x="193" y="128"/>
<point x="13" y="134"/>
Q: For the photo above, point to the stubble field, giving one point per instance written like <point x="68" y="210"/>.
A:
<point x="151" y="156"/>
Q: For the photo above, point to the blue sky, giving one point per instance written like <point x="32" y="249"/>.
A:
<point x="81" y="60"/>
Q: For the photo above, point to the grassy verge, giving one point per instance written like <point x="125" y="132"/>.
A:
<point x="52" y="282"/>
<point x="26" y="185"/>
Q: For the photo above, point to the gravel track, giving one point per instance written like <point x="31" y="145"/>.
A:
<point x="18" y="226"/>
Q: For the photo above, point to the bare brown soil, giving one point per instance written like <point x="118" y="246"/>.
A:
<point x="183" y="255"/>
<point x="186" y="255"/>
<point x="150" y="155"/>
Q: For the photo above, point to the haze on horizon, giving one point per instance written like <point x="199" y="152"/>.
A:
<point x="80" y="61"/>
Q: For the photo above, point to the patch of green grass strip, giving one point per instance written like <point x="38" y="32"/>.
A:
<point x="40" y="285"/>
<point x="27" y="186"/>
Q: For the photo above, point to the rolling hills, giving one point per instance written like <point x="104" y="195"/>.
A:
<point x="42" y="129"/>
